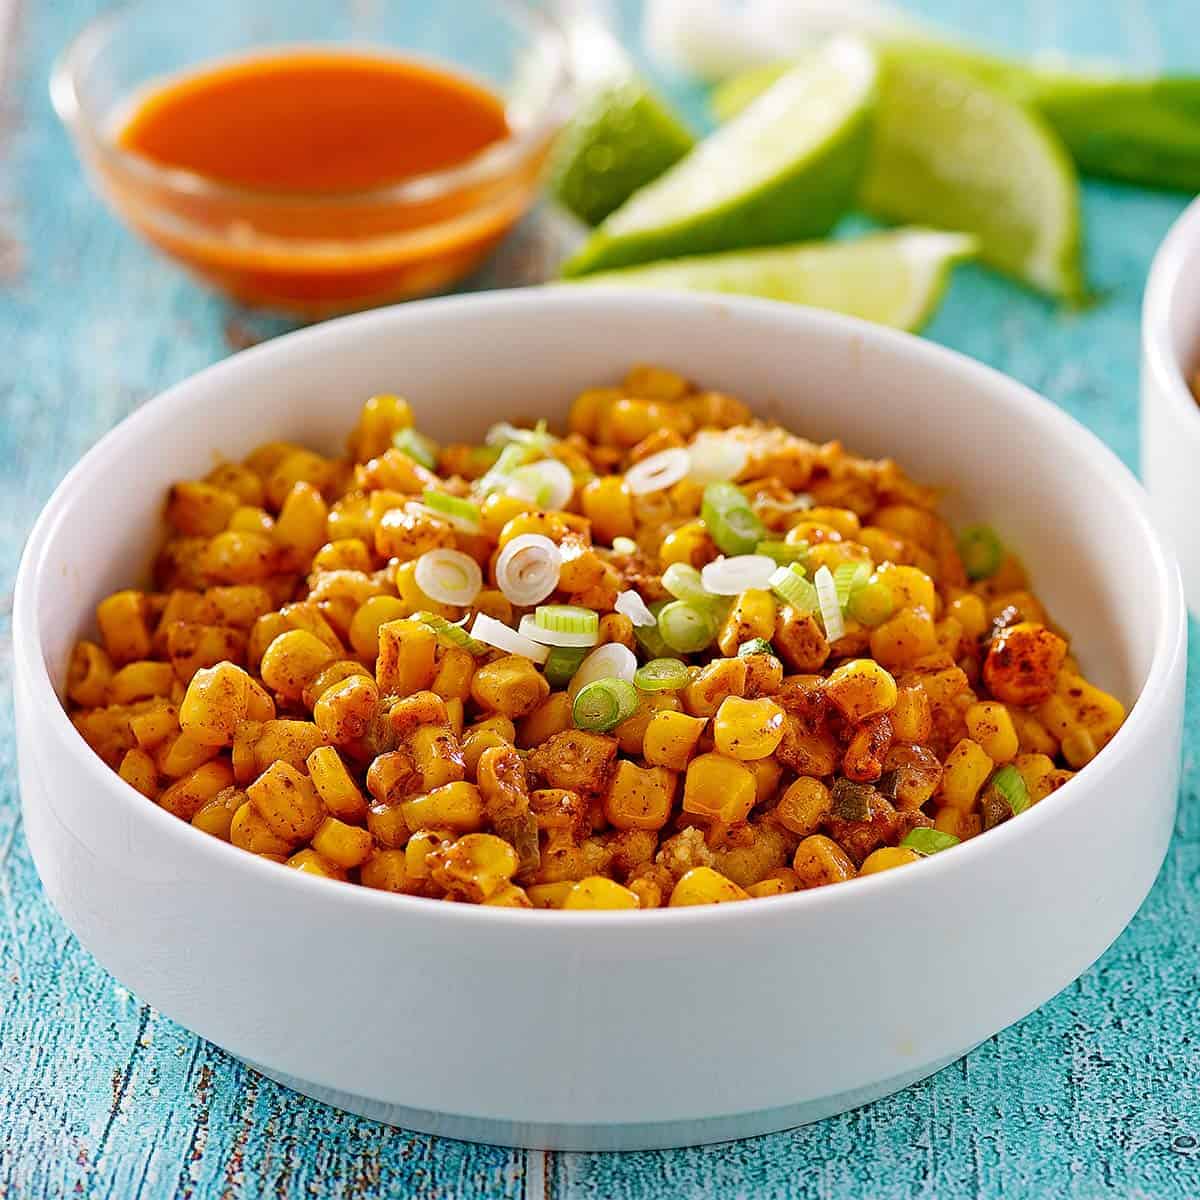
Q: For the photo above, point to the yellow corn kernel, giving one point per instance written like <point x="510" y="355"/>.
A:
<point x="452" y="679"/>
<point x="386" y="824"/>
<point x="631" y="733"/>
<point x="138" y="770"/>
<point x="436" y="756"/>
<point x="251" y="519"/>
<point x="912" y="715"/>
<point x="382" y="417"/>
<point x="346" y="711"/>
<point x="552" y="716"/>
<point x="346" y="845"/>
<point x="1083" y="705"/>
<point x="238" y="479"/>
<point x="312" y="863"/>
<point x="215" y="703"/>
<point x="639" y="797"/>
<point x="748" y="729"/>
<point x="819" y="860"/>
<point x="476" y="740"/>
<point x="386" y="871"/>
<point x="248" y="831"/>
<point x="285" y="798"/>
<point x="773" y="885"/>
<point x="1035" y="770"/>
<point x="371" y="616"/>
<point x="423" y="843"/>
<point x="123" y="619"/>
<point x="910" y="586"/>
<point x="285" y="741"/>
<point x="179" y="755"/>
<point x="1033" y="736"/>
<point x="803" y="806"/>
<point x="215" y="816"/>
<point x="689" y="544"/>
<point x="456" y="806"/>
<point x="498" y="509"/>
<point x="142" y="680"/>
<point x="297" y="466"/>
<point x="957" y="822"/>
<point x="88" y="675"/>
<point x="292" y="660"/>
<point x="237" y="557"/>
<point x="544" y="524"/>
<point x="703" y="885"/>
<point x="549" y="895"/>
<point x="300" y="526"/>
<point x="718" y="789"/>
<point x="989" y="724"/>
<point x="752" y="616"/>
<point x="969" y="611"/>
<point x="152" y="727"/>
<point x="1079" y="747"/>
<point x="456" y="716"/>
<point x="967" y="767"/>
<point x="721" y="678"/>
<point x="595" y="891"/>
<point x="511" y="685"/>
<point x="509" y="895"/>
<point x="904" y="638"/>
<point x="342" y="554"/>
<point x="187" y="795"/>
<point x="649" y="382"/>
<point x="887" y="857"/>
<point x="407" y="657"/>
<point x="609" y="507"/>
<point x="477" y="865"/>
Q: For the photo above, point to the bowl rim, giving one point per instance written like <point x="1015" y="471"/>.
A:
<point x="213" y="854"/>
<point x="494" y="161"/>
<point x="1179" y="251"/>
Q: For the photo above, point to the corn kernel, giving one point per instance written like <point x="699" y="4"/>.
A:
<point x="287" y="801"/>
<point x="346" y="845"/>
<point x="511" y="685"/>
<point x="748" y="729"/>
<point x="386" y="871"/>
<point x="967" y="767"/>
<point x="989" y="724"/>
<point x="819" y="860"/>
<point x="671" y="737"/>
<point x="595" y="891"/>
<point x="312" y="863"/>
<point x="718" y="788"/>
<point x="639" y="797"/>
<point x="887" y="857"/>
<point x="456" y="806"/>
<point x="703" y="885"/>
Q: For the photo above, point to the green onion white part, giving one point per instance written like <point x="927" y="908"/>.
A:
<point x="716" y="457"/>
<point x="462" y="514"/>
<point x="610" y="661"/>
<point x="630" y="604"/>
<point x="658" y="472"/>
<point x="624" y="545"/>
<point x="527" y="569"/>
<point x="827" y="599"/>
<point x="801" y="502"/>
<point x="496" y="633"/>
<point x="684" y="582"/>
<point x="548" y="484"/>
<point x="732" y="576"/>
<point x="449" y="577"/>
<point x="530" y="628"/>
<point x="536" y="439"/>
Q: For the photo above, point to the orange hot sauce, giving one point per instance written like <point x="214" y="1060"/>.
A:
<point x="296" y="147"/>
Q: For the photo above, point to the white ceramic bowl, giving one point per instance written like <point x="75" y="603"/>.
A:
<point x="1170" y="413"/>
<point x="608" y="1030"/>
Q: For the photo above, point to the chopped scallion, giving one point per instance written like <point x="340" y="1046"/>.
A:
<point x="687" y="627"/>
<point x="755" y="646"/>
<point x="872" y="603"/>
<point x="784" y="553"/>
<point x="566" y="618"/>
<point x="729" y="519"/>
<point x="461" y="513"/>
<point x="981" y="551"/>
<point x="662" y="675"/>
<point x="563" y="663"/>
<point x="928" y="841"/>
<point x="418" y="447"/>
<point x="789" y="584"/>
<point x="648" y="636"/>
<point x="849" y="576"/>
<point x="454" y="634"/>
<point x="604" y="703"/>
<point x="1010" y="784"/>
<point x="683" y="581"/>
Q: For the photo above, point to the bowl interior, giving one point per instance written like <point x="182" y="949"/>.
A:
<point x="1051" y="490"/>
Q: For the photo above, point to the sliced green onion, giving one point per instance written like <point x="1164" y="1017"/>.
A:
<point x="610" y="661"/>
<point x="755" y="646"/>
<point x="548" y="484"/>
<point x="454" y="634"/>
<point x="536" y="439"/>
<point x="662" y="675"/>
<point x="827" y="600"/>
<point x="528" y="627"/>
<point x="508" y="460"/>
<point x="483" y="458"/>
<point x="872" y="603"/>
<point x="1010" y="784"/>
<point x="462" y="514"/>
<point x="789" y="584"/>
<point x="657" y="473"/>
<point x="716" y="456"/>
<point x="418" y="447"/>
<point x="981" y="551"/>
<point x="847" y="577"/>
<point x="648" y="636"/>
<point x="686" y="626"/>
<point x="604" y="703"/>
<point x="567" y="618"/>
<point x="784" y="553"/>
<point x="629" y="604"/>
<point x="562" y="664"/>
<point x="683" y="581"/>
<point x="624" y="545"/>
<point x="928" y="841"/>
<point x="730" y="520"/>
<point x="449" y="576"/>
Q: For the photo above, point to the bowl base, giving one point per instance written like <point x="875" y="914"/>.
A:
<point x="651" y="1135"/>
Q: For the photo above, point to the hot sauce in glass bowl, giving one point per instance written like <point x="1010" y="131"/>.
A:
<point x="318" y="177"/>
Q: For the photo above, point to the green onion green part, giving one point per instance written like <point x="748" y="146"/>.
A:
<point x="847" y="578"/>
<point x="928" y="841"/>
<point x="784" y="553"/>
<point x="566" y="618"/>
<point x="648" y="636"/>
<point x="461" y="512"/>
<point x="454" y="634"/>
<point x="730" y="520"/>
<point x="981" y="551"/>
<point x="1009" y="783"/>
<point x="755" y="646"/>
<point x="604" y="703"/>
<point x="662" y="675"/>
<point x="418" y="447"/>
<point x="563" y="663"/>
<point x="789" y="584"/>
<point x="682" y="580"/>
<point x="872" y="603"/>
<point x="687" y="627"/>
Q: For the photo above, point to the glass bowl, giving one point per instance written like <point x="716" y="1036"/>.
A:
<point x="315" y="254"/>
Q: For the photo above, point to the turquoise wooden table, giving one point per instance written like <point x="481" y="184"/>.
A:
<point x="1095" y="1095"/>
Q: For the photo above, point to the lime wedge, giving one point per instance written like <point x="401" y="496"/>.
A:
<point x="894" y="278"/>
<point x="623" y="135"/>
<point x="784" y="170"/>
<point x="952" y="152"/>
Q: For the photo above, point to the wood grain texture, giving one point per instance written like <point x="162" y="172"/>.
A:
<point x="1095" y="1095"/>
